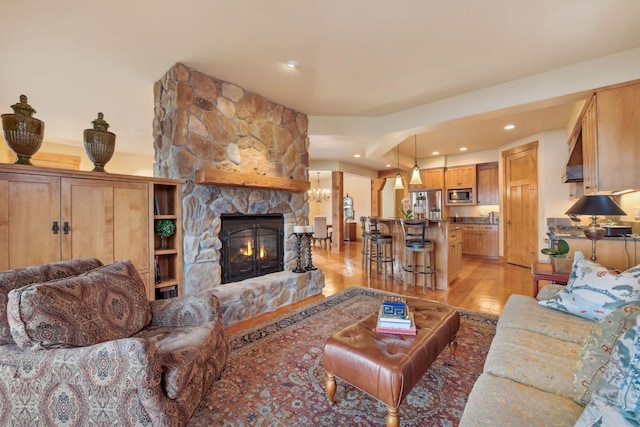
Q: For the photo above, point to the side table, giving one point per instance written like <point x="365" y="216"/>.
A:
<point x="544" y="271"/>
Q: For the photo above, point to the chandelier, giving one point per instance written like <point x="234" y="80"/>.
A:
<point x="319" y="195"/>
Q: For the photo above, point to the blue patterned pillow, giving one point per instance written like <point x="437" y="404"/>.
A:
<point x="617" y="401"/>
<point x="592" y="292"/>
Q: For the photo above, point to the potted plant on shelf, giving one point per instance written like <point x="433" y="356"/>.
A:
<point x="558" y="256"/>
<point x="164" y="229"/>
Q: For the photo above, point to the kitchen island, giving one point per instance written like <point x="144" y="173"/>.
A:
<point x="437" y="231"/>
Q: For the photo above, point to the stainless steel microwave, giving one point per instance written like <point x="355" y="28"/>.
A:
<point x="460" y="195"/>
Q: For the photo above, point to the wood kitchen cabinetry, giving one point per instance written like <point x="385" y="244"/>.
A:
<point x="48" y="215"/>
<point x="432" y="179"/>
<point x="610" y="132"/>
<point x="488" y="183"/>
<point x="454" y="255"/>
<point x="460" y="177"/>
<point x="480" y="240"/>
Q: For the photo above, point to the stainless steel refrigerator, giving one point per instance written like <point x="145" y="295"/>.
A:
<point x="427" y="204"/>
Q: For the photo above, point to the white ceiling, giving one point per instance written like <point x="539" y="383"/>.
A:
<point x="372" y="73"/>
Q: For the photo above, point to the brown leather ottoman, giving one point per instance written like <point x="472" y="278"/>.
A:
<point x="387" y="366"/>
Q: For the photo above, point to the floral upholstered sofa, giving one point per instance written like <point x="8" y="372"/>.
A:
<point x="81" y="345"/>
<point x="571" y="357"/>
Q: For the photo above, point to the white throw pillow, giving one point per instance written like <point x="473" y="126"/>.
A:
<point x="593" y="292"/>
<point x="617" y="401"/>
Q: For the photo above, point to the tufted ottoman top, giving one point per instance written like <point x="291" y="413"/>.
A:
<point x="387" y="366"/>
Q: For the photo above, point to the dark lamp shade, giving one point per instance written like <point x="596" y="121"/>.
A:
<point x="594" y="206"/>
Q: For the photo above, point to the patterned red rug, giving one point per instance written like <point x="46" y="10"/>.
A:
<point x="275" y="377"/>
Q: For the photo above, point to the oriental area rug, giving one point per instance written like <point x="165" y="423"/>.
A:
<point x="275" y="375"/>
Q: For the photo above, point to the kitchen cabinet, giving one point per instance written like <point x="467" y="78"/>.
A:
<point x="48" y="215"/>
<point x="432" y="179"/>
<point x="460" y="177"/>
<point x="480" y="240"/>
<point x="611" y="139"/>
<point x="488" y="183"/>
<point x="454" y="255"/>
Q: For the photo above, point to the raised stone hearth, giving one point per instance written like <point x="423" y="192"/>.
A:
<point x="204" y="124"/>
<point x="250" y="297"/>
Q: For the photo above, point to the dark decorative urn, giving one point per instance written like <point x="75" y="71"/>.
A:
<point x="22" y="132"/>
<point x="99" y="143"/>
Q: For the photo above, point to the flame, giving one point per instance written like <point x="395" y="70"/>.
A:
<point x="249" y="249"/>
<point x="263" y="253"/>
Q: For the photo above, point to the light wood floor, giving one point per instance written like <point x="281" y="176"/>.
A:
<point x="483" y="285"/>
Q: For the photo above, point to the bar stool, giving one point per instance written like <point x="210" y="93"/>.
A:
<point x="416" y="243"/>
<point x="379" y="248"/>
<point x="365" y="239"/>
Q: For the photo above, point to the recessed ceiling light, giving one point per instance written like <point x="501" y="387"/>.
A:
<point x="463" y="148"/>
<point x="435" y="153"/>
<point x="509" y="127"/>
<point x="292" y="63"/>
<point x="388" y="166"/>
<point x="357" y="156"/>
<point x="137" y="130"/>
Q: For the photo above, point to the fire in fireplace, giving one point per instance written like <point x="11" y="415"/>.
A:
<point x="252" y="245"/>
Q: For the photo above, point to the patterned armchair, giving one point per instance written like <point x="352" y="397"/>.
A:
<point x="81" y="345"/>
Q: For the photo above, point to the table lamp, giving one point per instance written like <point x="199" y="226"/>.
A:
<point x="595" y="206"/>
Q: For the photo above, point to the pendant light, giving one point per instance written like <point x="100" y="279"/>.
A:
<point x="415" y="175"/>
<point x="398" y="185"/>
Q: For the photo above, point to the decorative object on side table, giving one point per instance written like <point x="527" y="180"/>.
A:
<point x="558" y="256"/>
<point x="164" y="229"/>
<point x="594" y="206"/>
<point x="22" y="132"/>
<point x="99" y="143"/>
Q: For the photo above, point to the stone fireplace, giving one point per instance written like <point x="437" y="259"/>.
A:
<point x="239" y="154"/>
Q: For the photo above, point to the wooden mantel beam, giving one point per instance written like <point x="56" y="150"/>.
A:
<point x="237" y="179"/>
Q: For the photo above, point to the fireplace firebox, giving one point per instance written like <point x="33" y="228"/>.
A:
<point x="252" y="245"/>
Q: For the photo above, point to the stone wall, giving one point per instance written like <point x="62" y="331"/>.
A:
<point x="202" y="122"/>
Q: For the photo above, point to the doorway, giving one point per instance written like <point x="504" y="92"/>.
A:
<point x="521" y="204"/>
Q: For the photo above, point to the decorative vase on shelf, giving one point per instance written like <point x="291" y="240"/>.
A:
<point x="22" y="132"/>
<point x="99" y="143"/>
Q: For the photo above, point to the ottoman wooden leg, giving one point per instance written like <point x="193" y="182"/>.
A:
<point x="331" y="387"/>
<point x="453" y="345"/>
<point x="392" y="417"/>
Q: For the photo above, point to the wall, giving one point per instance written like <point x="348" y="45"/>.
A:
<point x="202" y="122"/>
<point x="357" y="187"/>
<point x="121" y="163"/>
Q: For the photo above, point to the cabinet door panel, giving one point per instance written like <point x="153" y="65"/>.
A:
<point x="87" y="206"/>
<point x="131" y="224"/>
<point x="29" y="205"/>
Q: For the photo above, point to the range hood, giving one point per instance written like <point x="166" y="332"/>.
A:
<point x="573" y="171"/>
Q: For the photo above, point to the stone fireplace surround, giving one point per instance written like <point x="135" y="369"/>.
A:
<point x="202" y="123"/>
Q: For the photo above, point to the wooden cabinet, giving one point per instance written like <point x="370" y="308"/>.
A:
<point x="433" y="179"/>
<point x="167" y="199"/>
<point x="30" y="225"/>
<point x="488" y="183"/>
<point x="454" y="255"/>
<point x="48" y="215"/>
<point x="460" y="177"/>
<point x="350" y="231"/>
<point x="480" y="240"/>
<point x="611" y="139"/>
<point x="103" y="219"/>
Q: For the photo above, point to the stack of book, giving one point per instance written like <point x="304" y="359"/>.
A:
<point x="395" y="318"/>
